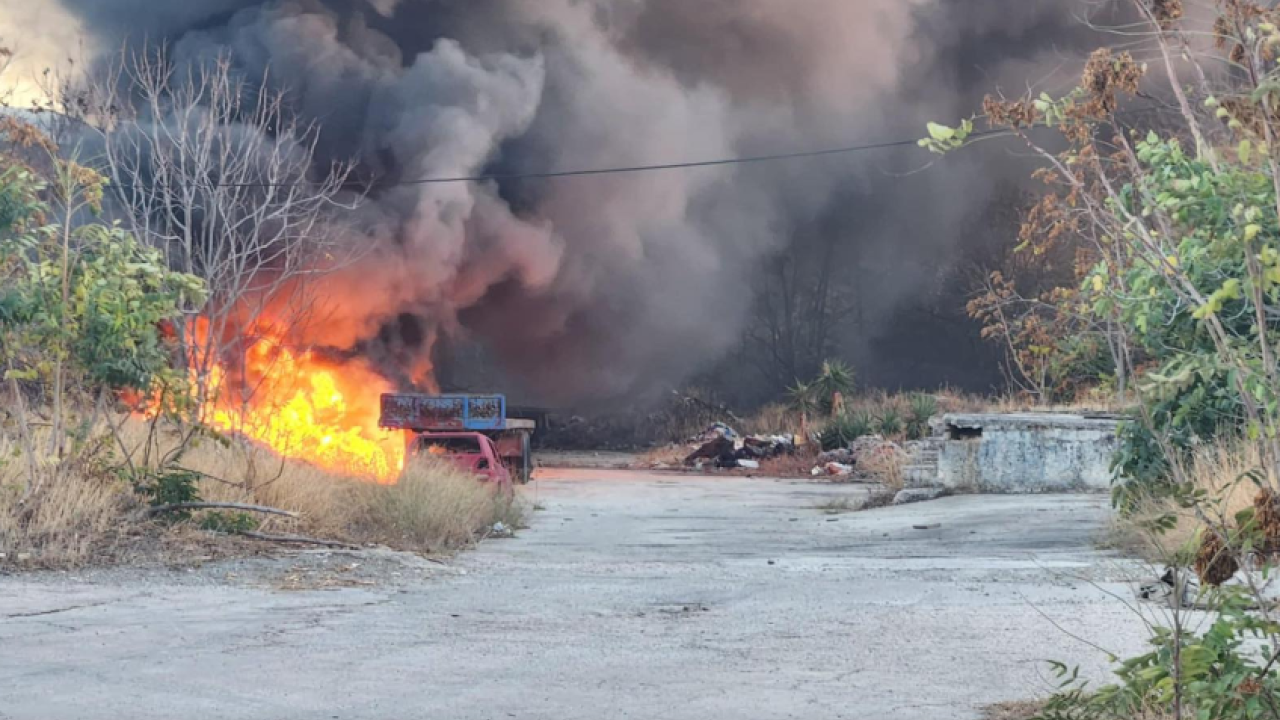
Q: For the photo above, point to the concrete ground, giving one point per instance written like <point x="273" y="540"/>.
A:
<point x="632" y="596"/>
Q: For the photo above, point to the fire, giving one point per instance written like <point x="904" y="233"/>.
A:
<point x="308" y="408"/>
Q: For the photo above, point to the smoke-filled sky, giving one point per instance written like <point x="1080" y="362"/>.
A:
<point x="603" y="286"/>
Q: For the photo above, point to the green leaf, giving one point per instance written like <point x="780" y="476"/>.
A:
<point x="941" y="133"/>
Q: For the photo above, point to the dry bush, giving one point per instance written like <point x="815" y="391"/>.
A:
<point x="775" y="419"/>
<point x="72" y="519"/>
<point x="70" y="516"/>
<point x="72" y="513"/>
<point x="435" y="507"/>
<point x="886" y="464"/>
<point x="1218" y="468"/>
<point x="64" y="523"/>
<point x="798" y="464"/>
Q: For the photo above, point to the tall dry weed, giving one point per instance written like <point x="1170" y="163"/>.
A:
<point x="1220" y="469"/>
<point x="70" y="514"/>
<point x="434" y="507"/>
<point x="76" y="513"/>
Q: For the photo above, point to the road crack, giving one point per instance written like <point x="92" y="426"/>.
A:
<point x="55" y="611"/>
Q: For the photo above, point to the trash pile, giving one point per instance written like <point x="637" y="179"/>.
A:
<point x="723" y="447"/>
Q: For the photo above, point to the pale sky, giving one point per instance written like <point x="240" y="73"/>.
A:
<point x="41" y="35"/>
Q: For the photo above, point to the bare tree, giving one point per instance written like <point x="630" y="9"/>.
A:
<point x="214" y="169"/>
<point x="797" y="315"/>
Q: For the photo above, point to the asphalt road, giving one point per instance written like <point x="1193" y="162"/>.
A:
<point x="634" y="595"/>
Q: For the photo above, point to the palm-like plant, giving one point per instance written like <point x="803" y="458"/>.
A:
<point x="922" y="408"/>
<point x="836" y="377"/>
<point x="801" y="398"/>
<point x="890" y="421"/>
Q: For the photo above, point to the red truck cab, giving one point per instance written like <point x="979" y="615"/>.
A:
<point x="471" y="452"/>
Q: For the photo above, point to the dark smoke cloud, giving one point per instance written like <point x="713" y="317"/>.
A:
<point x="603" y="286"/>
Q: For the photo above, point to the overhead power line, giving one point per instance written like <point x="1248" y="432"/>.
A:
<point x="750" y="159"/>
<point x="747" y="160"/>
<point x="627" y="169"/>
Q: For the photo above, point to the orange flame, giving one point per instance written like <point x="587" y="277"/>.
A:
<point x="308" y="408"/>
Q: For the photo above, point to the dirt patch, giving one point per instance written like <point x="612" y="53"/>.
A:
<point x="608" y="460"/>
<point x="882" y="497"/>
<point x="264" y="566"/>
<point x="1020" y="710"/>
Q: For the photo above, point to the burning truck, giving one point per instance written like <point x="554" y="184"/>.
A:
<point x="472" y="431"/>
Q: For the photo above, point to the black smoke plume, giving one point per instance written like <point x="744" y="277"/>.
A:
<point x="607" y="285"/>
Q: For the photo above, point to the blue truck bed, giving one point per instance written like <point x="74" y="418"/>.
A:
<point x="442" y="413"/>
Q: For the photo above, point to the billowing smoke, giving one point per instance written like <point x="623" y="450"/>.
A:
<point x="603" y="285"/>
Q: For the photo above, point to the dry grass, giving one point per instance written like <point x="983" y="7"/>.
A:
<point x="775" y="419"/>
<point x="887" y="464"/>
<point x="1019" y="710"/>
<point x="796" y="465"/>
<point x="1217" y="468"/>
<point x="434" y="507"/>
<point x="63" y="523"/>
<point x="78" y="516"/>
<point x="955" y="401"/>
<point x="668" y="455"/>
<point x="69" y="515"/>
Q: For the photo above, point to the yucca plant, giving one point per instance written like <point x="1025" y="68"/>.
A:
<point x="890" y="421"/>
<point x="861" y="424"/>
<point x="801" y="397"/>
<point x="845" y="429"/>
<point x="835" y="377"/>
<point x="922" y="407"/>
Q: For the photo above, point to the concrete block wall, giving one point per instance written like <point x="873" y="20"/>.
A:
<point x="1026" y="452"/>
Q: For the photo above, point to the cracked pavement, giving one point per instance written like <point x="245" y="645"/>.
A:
<point x="634" y="595"/>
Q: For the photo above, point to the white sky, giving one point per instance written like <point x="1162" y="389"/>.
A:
<point x="42" y="35"/>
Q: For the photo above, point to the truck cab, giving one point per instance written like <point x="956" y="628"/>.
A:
<point x="471" y="452"/>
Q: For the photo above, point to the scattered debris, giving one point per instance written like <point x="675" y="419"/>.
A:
<point x="724" y="446"/>
<point x="1163" y="590"/>
<point x="839" y="505"/>
<point x="720" y="430"/>
<point x="840" y="455"/>
<point x="915" y="495"/>
<point x="837" y="469"/>
<point x="870" y="456"/>
<point x="878" y="499"/>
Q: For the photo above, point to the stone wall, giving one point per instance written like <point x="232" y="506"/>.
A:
<point x="1026" y="452"/>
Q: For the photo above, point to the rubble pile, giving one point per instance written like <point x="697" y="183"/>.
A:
<point x="864" y="457"/>
<point x="723" y="447"/>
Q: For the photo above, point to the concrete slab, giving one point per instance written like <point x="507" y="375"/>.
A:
<point x="634" y="595"/>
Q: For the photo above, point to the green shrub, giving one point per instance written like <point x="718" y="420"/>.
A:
<point x="230" y="523"/>
<point x="845" y="429"/>
<point x="170" y="487"/>
<point x="922" y="407"/>
<point x="889" y="423"/>
<point x="835" y="377"/>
